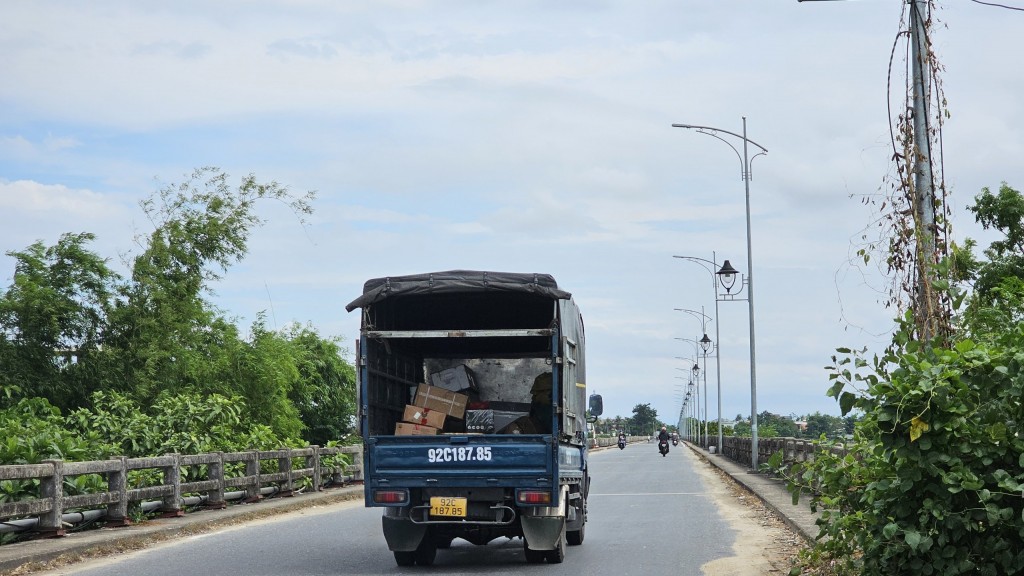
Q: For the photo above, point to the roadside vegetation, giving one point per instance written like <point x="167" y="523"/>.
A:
<point x="933" y="480"/>
<point x="96" y="364"/>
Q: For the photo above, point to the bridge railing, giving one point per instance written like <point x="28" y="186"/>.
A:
<point x="602" y="441"/>
<point x="46" y="512"/>
<point x="794" y="450"/>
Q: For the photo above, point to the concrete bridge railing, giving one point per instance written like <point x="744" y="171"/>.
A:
<point x="794" y="450"/>
<point x="46" y="513"/>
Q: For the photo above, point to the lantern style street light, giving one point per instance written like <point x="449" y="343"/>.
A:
<point x="706" y="345"/>
<point x="711" y="266"/>
<point x="727" y="274"/>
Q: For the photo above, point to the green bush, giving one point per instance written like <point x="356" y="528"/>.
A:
<point x="33" y="431"/>
<point x="932" y="483"/>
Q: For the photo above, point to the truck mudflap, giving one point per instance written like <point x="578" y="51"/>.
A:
<point x="401" y="534"/>
<point x="544" y="527"/>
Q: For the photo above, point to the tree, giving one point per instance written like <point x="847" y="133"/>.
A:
<point x="772" y="425"/>
<point x="164" y="333"/>
<point x="998" y="284"/>
<point x="52" y="318"/>
<point x="743" y="429"/>
<point x="325" y="391"/>
<point x="645" y="419"/>
<point x="830" y="426"/>
<point x="70" y="327"/>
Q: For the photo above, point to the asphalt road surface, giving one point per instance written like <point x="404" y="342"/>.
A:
<point x="649" y="515"/>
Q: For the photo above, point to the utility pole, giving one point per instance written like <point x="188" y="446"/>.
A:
<point x="926" y="305"/>
<point x="929" y="314"/>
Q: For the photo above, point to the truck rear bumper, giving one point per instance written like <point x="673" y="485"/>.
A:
<point x="543" y="527"/>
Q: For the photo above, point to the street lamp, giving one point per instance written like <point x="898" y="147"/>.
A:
<point x="705" y="345"/>
<point x="711" y="266"/>
<point x="745" y="161"/>
<point x="696" y="372"/>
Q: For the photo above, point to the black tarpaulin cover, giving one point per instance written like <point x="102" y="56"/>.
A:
<point x="454" y="281"/>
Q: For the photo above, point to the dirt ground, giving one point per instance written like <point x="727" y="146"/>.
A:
<point x="765" y="545"/>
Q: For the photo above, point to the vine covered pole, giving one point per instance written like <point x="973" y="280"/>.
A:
<point x="926" y="307"/>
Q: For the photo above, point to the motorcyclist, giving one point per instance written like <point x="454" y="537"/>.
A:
<point x="622" y="436"/>
<point x="663" y="437"/>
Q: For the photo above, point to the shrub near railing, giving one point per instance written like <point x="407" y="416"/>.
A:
<point x="319" y="467"/>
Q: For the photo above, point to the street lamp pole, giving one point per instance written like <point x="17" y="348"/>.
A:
<point x="695" y="373"/>
<point x="705" y="345"/>
<point x="703" y="263"/>
<point x="745" y="160"/>
<point x="698" y="347"/>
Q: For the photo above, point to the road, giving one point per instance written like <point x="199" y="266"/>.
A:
<point x="648" y="515"/>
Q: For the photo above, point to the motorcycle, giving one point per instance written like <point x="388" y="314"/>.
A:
<point x="663" y="447"/>
<point x="622" y="443"/>
<point x="675" y="441"/>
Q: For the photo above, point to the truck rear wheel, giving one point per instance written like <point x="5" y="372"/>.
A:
<point x="558" y="554"/>
<point x="575" y="537"/>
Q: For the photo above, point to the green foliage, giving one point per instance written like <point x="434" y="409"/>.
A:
<point x="159" y="333"/>
<point x="32" y="430"/>
<point x="175" y="423"/>
<point x="324" y="393"/>
<point x="833" y="427"/>
<point x="713" y="430"/>
<point x="162" y="330"/>
<point x="53" y="317"/>
<point x="1004" y="212"/>
<point x="773" y="425"/>
<point x="998" y="296"/>
<point x="742" y="429"/>
<point x="932" y="483"/>
<point x="644" y="420"/>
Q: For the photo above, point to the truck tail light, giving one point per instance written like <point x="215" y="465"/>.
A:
<point x="390" y="496"/>
<point x="534" y="497"/>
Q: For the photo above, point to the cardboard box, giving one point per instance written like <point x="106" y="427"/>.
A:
<point x="451" y="403"/>
<point x="457" y="379"/>
<point x="406" y="429"/>
<point x="423" y="416"/>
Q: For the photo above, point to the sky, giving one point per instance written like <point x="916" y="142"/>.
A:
<point x="521" y="136"/>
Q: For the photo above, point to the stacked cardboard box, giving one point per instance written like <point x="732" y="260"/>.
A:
<point x="457" y="379"/>
<point x="423" y="416"/>
<point x="429" y="410"/>
<point x="450" y="403"/>
<point x="407" y="429"/>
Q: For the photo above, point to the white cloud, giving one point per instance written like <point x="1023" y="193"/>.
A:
<point x="530" y="136"/>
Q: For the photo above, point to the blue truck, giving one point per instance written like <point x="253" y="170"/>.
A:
<point x="473" y="412"/>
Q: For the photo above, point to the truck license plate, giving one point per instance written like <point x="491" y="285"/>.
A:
<point x="446" y="506"/>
